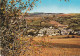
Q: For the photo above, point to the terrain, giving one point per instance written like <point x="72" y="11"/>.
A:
<point x="61" y="47"/>
<point x="44" y="19"/>
<point x="46" y="46"/>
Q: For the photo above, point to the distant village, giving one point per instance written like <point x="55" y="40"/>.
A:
<point x="51" y="31"/>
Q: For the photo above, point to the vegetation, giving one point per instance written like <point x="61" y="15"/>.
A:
<point x="72" y="20"/>
<point x="11" y="27"/>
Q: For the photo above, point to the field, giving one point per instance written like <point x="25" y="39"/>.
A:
<point x="60" y="47"/>
<point x="47" y="46"/>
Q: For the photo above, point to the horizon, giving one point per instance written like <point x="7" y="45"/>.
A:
<point x="55" y="13"/>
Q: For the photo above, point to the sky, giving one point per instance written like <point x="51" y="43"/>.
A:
<point x="56" y="6"/>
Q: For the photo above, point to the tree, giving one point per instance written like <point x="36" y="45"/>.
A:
<point x="14" y="7"/>
<point x="11" y="31"/>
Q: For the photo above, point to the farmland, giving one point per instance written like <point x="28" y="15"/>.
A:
<point x="56" y="47"/>
<point x="62" y="47"/>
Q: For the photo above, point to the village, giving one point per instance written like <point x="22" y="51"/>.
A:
<point x="51" y="31"/>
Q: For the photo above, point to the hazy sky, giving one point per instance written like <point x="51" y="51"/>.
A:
<point x="55" y="6"/>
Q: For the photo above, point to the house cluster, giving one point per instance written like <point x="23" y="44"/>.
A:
<point x="51" y="31"/>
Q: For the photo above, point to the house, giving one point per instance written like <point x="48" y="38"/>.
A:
<point x="48" y="31"/>
<point x="64" y="32"/>
<point x="77" y="32"/>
